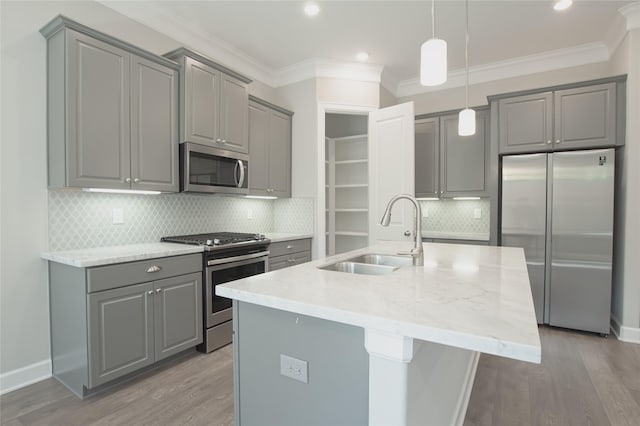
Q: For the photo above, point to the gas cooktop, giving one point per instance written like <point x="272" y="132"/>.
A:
<point x="217" y="239"/>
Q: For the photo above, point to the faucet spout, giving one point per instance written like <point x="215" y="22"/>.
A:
<point x="416" y="253"/>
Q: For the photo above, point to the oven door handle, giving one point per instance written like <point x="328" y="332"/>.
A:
<point x="237" y="258"/>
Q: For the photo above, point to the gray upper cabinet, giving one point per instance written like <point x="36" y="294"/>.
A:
<point x="269" y="149"/>
<point x="585" y="117"/>
<point x="112" y="112"/>
<point x="526" y="123"/>
<point x="448" y="165"/>
<point x="464" y="159"/>
<point x="574" y="118"/>
<point x="427" y="140"/>
<point x="213" y="102"/>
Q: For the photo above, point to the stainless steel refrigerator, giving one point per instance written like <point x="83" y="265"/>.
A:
<point x="559" y="208"/>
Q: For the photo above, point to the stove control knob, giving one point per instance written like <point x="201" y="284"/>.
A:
<point x="209" y="242"/>
<point x="216" y="241"/>
<point x="260" y="237"/>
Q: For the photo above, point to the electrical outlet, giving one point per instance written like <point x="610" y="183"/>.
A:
<point x="477" y="213"/>
<point x="249" y="213"/>
<point x="294" y="368"/>
<point x="118" y="216"/>
<point x="425" y="212"/>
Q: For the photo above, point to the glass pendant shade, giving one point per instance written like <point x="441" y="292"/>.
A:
<point x="467" y="122"/>
<point x="433" y="62"/>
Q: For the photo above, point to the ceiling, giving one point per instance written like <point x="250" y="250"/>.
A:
<point x="269" y="37"/>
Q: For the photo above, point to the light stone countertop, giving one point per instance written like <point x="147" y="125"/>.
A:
<point x="276" y="237"/>
<point x="83" y="258"/>
<point x="456" y="235"/>
<point x="467" y="296"/>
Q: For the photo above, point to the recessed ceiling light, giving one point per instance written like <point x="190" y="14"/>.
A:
<point x="562" y="4"/>
<point x="311" y="9"/>
<point x="362" y="56"/>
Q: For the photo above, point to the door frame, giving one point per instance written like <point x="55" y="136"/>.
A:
<point x="320" y="207"/>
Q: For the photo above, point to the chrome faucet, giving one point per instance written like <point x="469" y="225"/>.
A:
<point x="416" y="252"/>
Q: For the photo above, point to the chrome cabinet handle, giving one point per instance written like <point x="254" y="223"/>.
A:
<point x="289" y="247"/>
<point x="127" y="180"/>
<point x="557" y="140"/>
<point x="218" y="140"/>
<point x="158" y="290"/>
<point x="224" y="141"/>
<point x="154" y="268"/>
<point x="549" y="142"/>
<point x="291" y="260"/>
<point x="407" y="233"/>
<point x="136" y="180"/>
<point x="150" y="292"/>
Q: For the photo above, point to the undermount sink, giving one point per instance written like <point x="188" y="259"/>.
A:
<point x="370" y="264"/>
<point x="383" y="259"/>
<point x="360" y="268"/>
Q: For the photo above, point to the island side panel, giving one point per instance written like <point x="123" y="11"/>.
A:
<point x="337" y="392"/>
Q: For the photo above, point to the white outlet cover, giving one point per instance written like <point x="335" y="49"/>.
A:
<point x="118" y="216"/>
<point x="249" y="213"/>
<point x="477" y="213"/>
<point x="294" y="368"/>
<point x="425" y="212"/>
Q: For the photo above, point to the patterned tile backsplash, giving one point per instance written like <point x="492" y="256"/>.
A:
<point x="80" y="219"/>
<point x="456" y="216"/>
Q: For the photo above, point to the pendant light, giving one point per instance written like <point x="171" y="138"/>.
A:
<point x="433" y="56"/>
<point x="467" y="117"/>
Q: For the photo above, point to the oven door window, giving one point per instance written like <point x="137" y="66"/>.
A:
<point x="231" y="273"/>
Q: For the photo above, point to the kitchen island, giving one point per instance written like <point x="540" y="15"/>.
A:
<point x="316" y="346"/>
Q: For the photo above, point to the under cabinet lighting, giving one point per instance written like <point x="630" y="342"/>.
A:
<point x="121" y="191"/>
<point x="311" y="9"/>
<point x="466" y="198"/>
<point x="261" y="197"/>
<point x="428" y="199"/>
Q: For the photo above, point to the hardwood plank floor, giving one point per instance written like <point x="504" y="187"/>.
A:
<point x="583" y="380"/>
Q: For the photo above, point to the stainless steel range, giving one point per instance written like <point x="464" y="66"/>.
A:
<point x="228" y="256"/>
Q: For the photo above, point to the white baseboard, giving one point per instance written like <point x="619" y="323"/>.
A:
<point x="25" y="376"/>
<point x="624" y="333"/>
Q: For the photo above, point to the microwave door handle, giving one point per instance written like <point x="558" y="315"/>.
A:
<point x="241" y="180"/>
<point x="235" y="174"/>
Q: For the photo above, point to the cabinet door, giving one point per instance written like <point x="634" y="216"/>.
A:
<point x="585" y="117"/>
<point x="120" y="332"/>
<point x="258" y="149"/>
<point x="525" y="123"/>
<point x="464" y="159"/>
<point x="98" y="133"/>
<point x="178" y="314"/>
<point x="200" y="102"/>
<point x="154" y="126"/>
<point x="427" y="157"/>
<point x="234" y="102"/>
<point x="279" y="154"/>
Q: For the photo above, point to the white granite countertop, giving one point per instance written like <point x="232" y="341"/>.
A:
<point x="276" y="237"/>
<point x="473" y="297"/>
<point x="456" y="235"/>
<point x="83" y="258"/>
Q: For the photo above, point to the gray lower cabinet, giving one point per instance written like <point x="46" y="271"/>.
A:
<point x="112" y="112"/>
<point x="213" y="102"/>
<point x="573" y="118"/>
<point x="269" y="149"/>
<point x="284" y="254"/>
<point x="109" y="321"/>
<point x="448" y="165"/>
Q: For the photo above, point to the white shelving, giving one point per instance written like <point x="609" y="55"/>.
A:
<point x="347" y="193"/>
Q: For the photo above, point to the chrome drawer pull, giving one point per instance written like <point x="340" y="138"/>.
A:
<point x="289" y="247"/>
<point x="154" y="268"/>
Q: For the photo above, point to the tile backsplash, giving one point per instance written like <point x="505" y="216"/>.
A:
<point x="456" y="216"/>
<point x="80" y="219"/>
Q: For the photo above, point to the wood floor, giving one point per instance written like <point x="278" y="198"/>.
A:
<point x="583" y="380"/>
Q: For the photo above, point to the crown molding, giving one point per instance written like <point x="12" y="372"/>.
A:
<point x="524" y="65"/>
<point x="631" y="12"/>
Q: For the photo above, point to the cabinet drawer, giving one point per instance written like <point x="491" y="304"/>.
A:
<point x="288" y="247"/>
<point x="281" y="262"/>
<point x="123" y="274"/>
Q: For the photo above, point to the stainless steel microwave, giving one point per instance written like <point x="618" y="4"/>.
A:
<point x="213" y="170"/>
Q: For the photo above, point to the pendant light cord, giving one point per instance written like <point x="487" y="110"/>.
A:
<point x="466" y="52"/>
<point x="433" y="18"/>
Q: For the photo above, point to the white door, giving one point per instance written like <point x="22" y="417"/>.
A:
<point x="391" y="170"/>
